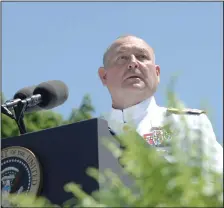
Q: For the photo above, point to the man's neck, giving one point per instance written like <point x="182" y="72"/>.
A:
<point x="122" y="106"/>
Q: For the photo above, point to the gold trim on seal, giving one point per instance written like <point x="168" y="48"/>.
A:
<point x="32" y="162"/>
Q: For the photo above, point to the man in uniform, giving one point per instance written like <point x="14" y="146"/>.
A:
<point x="132" y="76"/>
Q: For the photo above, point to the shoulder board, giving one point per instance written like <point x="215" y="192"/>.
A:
<point x="185" y="111"/>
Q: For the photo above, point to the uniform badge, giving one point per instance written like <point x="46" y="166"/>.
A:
<point x="157" y="136"/>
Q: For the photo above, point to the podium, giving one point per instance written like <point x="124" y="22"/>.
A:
<point x="64" y="153"/>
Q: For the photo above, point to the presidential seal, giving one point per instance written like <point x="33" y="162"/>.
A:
<point x="20" y="172"/>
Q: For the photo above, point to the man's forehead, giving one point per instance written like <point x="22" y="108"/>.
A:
<point x="129" y="42"/>
<point x="119" y="42"/>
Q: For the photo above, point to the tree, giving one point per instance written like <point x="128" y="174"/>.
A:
<point x="8" y="126"/>
<point x="84" y="112"/>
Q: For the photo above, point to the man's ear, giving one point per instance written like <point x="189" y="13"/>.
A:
<point x="158" y="72"/>
<point x="103" y="75"/>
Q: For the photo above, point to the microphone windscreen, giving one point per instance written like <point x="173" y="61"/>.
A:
<point x="24" y="93"/>
<point x="53" y="93"/>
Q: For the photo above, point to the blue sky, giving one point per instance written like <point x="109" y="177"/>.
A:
<point x="66" y="40"/>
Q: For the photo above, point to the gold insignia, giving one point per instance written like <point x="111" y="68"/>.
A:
<point x="185" y="111"/>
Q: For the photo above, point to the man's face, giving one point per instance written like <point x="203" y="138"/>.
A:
<point x="130" y="69"/>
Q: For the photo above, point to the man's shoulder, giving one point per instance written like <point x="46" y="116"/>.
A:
<point x="195" y="118"/>
<point x="184" y="111"/>
<point x="176" y="112"/>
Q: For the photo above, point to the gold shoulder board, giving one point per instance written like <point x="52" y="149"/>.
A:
<point x="185" y="111"/>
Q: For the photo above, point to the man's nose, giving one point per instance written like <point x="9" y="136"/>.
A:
<point x="133" y="64"/>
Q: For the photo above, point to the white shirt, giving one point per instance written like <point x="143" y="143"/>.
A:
<point x="147" y="115"/>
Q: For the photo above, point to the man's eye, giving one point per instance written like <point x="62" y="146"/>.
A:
<point x="142" y="57"/>
<point x="123" y="57"/>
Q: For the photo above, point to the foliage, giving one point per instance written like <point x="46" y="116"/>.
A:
<point x="84" y="112"/>
<point x="155" y="184"/>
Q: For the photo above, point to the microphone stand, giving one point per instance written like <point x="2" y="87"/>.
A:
<point x="19" y="110"/>
<point x="8" y="113"/>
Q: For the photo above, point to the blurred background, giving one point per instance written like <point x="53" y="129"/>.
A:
<point x="43" y="41"/>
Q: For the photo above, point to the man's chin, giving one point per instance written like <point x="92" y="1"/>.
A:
<point x="136" y="87"/>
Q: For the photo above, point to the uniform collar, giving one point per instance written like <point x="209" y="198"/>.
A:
<point x="135" y="112"/>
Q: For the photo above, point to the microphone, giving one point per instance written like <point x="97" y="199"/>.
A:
<point x="53" y="93"/>
<point x="46" y="95"/>
<point x="24" y="93"/>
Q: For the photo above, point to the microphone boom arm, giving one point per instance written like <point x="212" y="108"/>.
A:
<point x="19" y="110"/>
<point x="19" y="106"/>
<point x="7" y="112"/>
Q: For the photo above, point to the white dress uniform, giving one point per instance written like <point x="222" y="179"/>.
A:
<point x="148" y="118"/>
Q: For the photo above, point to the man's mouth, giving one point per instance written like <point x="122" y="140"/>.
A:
<point x="134" y="76"/>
